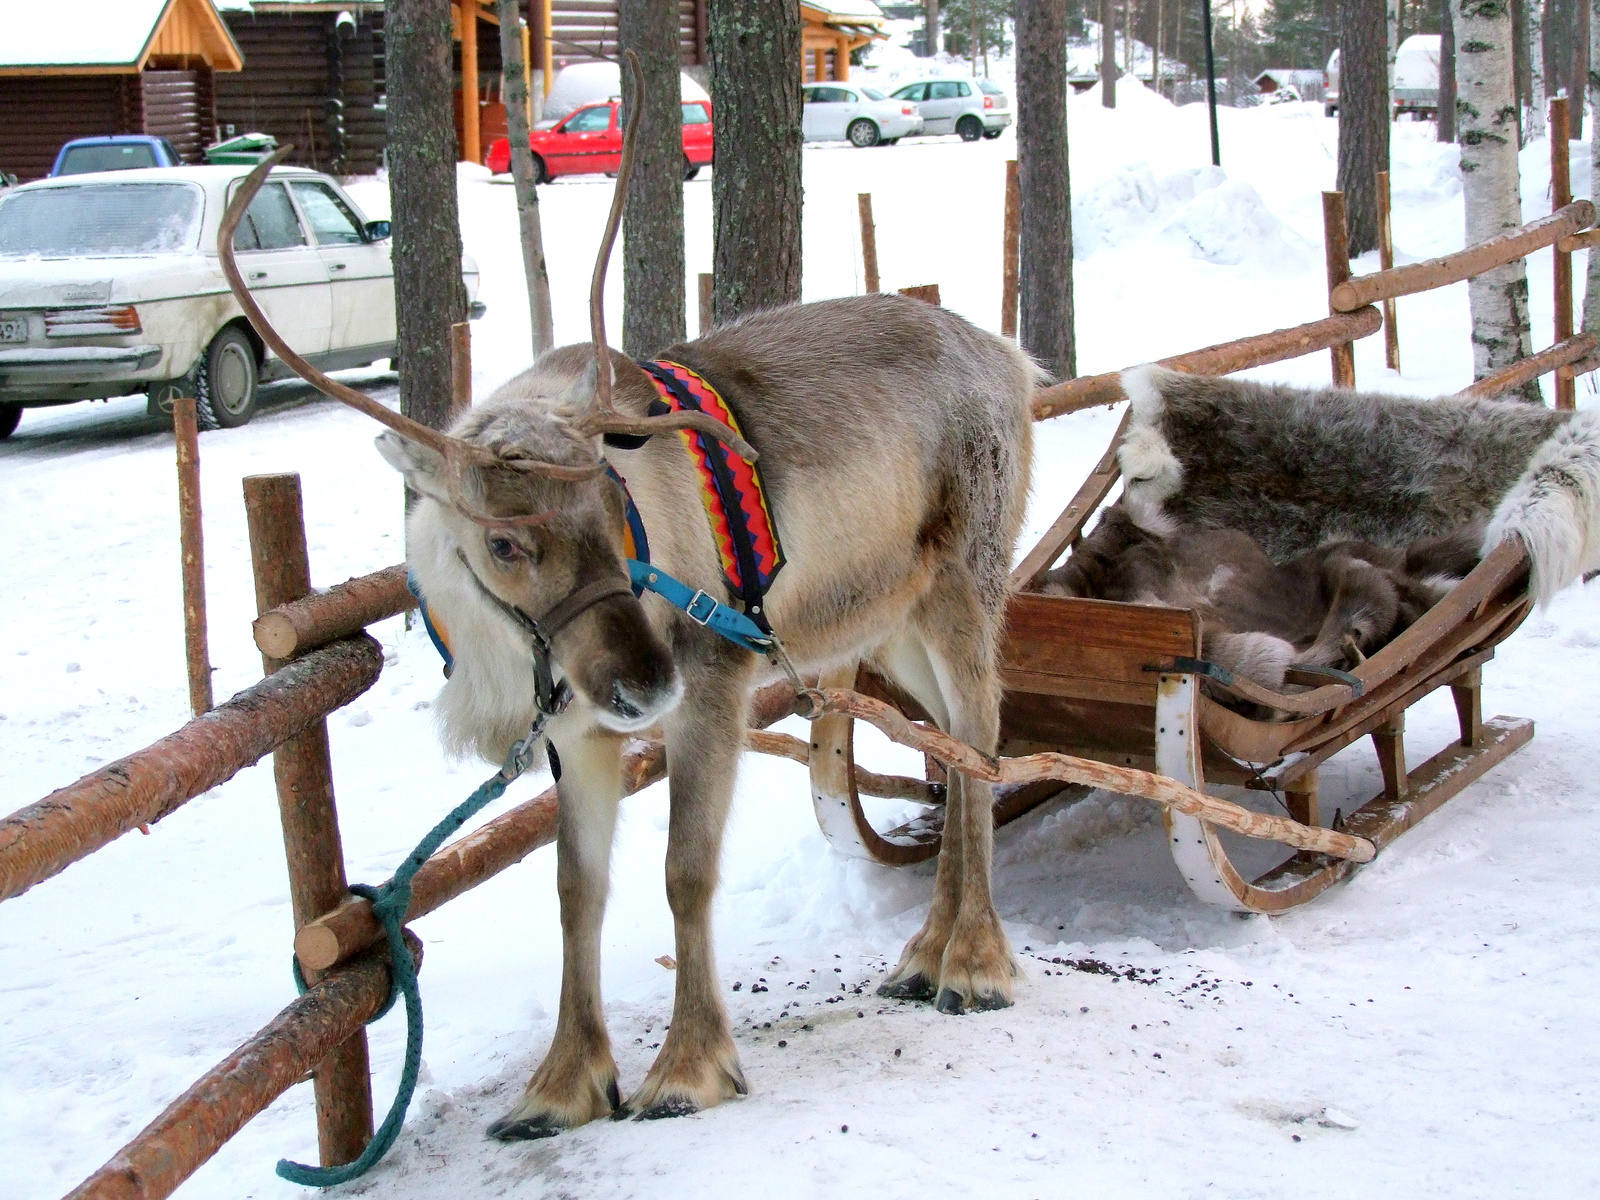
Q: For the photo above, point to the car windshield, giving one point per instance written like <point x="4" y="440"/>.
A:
<point x="873" y="94"/>
<point x="100" y="219"/>
<point x="989" y="88"/>
<point x="113" y="156"/>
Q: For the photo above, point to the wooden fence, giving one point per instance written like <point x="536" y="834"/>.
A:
<point x="318" y="657"/>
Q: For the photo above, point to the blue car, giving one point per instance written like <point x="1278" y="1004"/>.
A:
<point x="119" y="152"/>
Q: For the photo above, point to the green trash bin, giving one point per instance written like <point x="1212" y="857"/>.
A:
<point x="246" y="150"/>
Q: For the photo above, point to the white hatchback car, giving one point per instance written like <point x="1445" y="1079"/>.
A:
<point x="110" y="285"/>
<point x="973" y="108"/>
<point x="862" y="116"/>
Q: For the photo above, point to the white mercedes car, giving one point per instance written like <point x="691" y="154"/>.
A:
<point x="110" y="285"/>
<point x="862" y="116"/>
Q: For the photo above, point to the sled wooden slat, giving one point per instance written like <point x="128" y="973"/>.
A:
<point x="1464" y="264"/>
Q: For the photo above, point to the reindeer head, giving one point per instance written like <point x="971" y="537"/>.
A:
<point x="548" y="546"/>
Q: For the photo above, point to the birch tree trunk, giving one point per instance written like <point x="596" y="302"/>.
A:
<point x="653" y="295"/>
<point x="1591" y="291"/>
<point x="1108" y="55"/>
<point x="1537" y="103"/>
<point x="515" y="92"/>
<point x="1486" y="123"/>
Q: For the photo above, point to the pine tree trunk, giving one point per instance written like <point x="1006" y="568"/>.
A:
<point x="1591" y="291"/>
<point x="755" y="189"/>
<point x="1447" y="75"/>
<point x="1537" y="104"/>
<point x="653" y="296"/>
<point x="931" y="9"/>
<point x="515" y="91"/>
<point x="428" y="292"/>
<point x="1486" y="114"/>
<point x="1045" y="277"/>
<point x="1363" y="116"/>
<point x="1108" y="56"/>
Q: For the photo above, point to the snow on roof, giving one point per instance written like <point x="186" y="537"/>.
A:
<point x="99" y="33"/>
<point x="857" y="10"/>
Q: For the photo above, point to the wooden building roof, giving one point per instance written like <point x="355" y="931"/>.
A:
<point x="115" y="37"/>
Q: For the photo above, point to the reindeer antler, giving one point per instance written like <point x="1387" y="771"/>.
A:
<point x="605" y="418"/>
<point x="455" y="450"/>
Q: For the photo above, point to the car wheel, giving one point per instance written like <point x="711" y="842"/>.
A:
<point x="10" y="417"/>
<point x="225" y="382"/>
<point x="970" y="128"/>
<point x="862" y="133"/>
<point x="540" y="173"/>
<point x="1330" y="110"/>
<point x="689" y="169"/>
<point x="991" y="134"/>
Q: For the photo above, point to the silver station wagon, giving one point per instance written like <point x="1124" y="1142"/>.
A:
<point x="110" y="286"/>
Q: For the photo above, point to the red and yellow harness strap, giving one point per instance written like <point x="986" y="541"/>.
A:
<point x="730" y="488"/>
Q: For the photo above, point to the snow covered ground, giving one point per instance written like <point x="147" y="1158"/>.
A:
<point x="1427" y="1029"/>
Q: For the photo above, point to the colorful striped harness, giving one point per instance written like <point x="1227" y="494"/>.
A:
<point x="736" y="507"/>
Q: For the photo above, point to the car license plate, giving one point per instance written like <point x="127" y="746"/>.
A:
<point x="13" y="329"/>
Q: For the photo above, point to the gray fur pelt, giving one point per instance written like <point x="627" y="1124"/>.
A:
<point x="1296" y="467"/>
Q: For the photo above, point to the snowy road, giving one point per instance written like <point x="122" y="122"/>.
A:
<point x="1427" y="1029"/>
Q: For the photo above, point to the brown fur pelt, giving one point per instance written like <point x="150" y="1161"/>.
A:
<point x="1333" y="605"/>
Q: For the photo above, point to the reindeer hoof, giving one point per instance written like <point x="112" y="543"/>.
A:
<point x="524" y="1129"/>
<point x="677" y="1107"/>
<point x="912" y="987"/>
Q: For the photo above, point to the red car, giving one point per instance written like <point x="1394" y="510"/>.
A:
<point x="589" y="142"/>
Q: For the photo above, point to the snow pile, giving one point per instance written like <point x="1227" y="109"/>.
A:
<point x="1198" y="211"/>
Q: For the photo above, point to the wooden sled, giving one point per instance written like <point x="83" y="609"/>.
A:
<point x="1121" y="684"/>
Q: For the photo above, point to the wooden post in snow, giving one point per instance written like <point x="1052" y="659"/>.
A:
<point x="1337" y="251"/>
<point x="460" y="368"/>
<point x="471" y="112"/>
<point x="869" y="241"/>
<point x="1391" y="331"/>
<point x="192" y="548"/>
<point x="928" y="293"/>
<point x="1560" y="197"/>
<point x="303" y="769"/>
<point x="1011" y="243"/>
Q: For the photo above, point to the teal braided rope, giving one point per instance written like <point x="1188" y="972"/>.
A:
<point x="390" y="903"/>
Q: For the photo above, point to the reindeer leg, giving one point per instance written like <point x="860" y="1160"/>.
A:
<point x="905" y="660"/>
<point x="698" y="1066"/>
<point x="577" y="1081"/>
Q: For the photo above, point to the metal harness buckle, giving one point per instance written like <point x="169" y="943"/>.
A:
<point x="711" y="609"/>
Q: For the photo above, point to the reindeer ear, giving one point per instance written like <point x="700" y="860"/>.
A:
<point x="583" y="397"/>
<point x="423" y="468"/>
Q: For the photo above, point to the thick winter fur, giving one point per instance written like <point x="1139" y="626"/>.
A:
<point x="1295" y="468"/>
<point x="1331" y="606"/>
<point x="895" y="445"/>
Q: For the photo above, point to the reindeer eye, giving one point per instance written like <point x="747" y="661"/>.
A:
<point x="504" y="549"/>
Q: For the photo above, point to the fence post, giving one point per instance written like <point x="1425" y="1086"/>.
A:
<point x="869" y="240"/>
<point x="1012" y="249"/>
<point x="303" y="769"/>
<point x="1561" y="196"/>
<point x="191" y="547"/>
<point x="460" y="371"/>
<point x="1336" y="247"/>
<point x="928" y="293"/>
<point x="1391" y="331"/>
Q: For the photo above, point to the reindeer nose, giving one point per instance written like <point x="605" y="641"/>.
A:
<point x="622" y="703"/>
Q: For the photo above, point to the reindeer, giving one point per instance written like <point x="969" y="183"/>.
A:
<point x="895" y="443"/>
